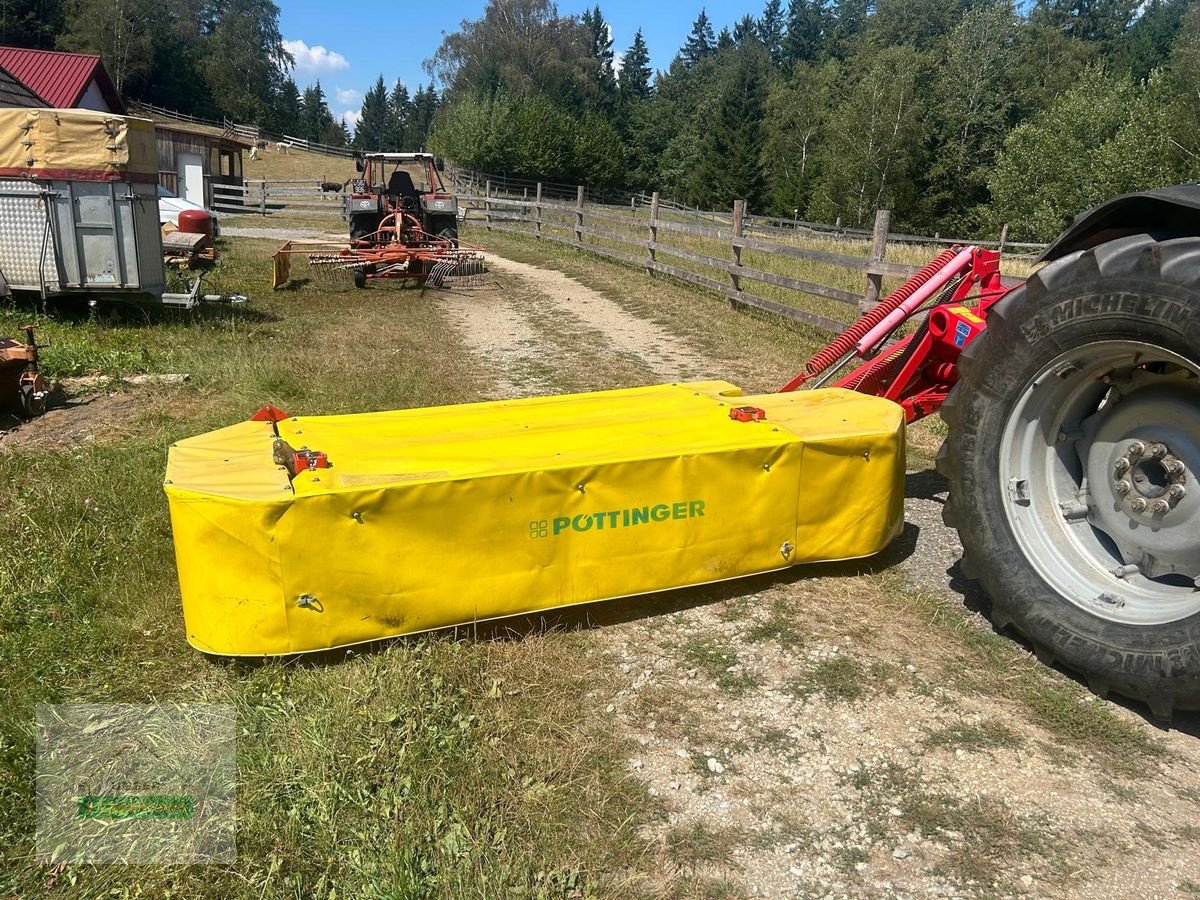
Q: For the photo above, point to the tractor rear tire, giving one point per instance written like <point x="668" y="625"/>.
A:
<point x="1073" y="459"/>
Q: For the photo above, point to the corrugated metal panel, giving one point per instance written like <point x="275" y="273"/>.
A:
<point x="13" y="93"/>
<point x="58" y="78"/>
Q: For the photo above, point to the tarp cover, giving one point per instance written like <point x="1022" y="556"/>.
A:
<point x="444" y="516"/>
<point x="76" y="144"/>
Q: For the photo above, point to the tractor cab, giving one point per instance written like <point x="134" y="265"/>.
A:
<point x="406" y="186"/>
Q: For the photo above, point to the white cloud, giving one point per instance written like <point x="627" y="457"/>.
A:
<point x="351" y="116"/>
<point x="347" y="96"/>
<point x="315" y="60"/>
<point x="618" y="62"/>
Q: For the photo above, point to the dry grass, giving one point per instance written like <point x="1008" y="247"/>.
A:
<point x="432" y="768"/>
<point x="273" y="165"/>
<point x="633" y="225"/>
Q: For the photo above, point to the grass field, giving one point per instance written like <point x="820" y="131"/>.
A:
<point x="630" y="231"/>
<point x="434" y="767"/>
<point x="453" y="765"/>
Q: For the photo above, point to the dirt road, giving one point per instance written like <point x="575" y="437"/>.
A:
<point x="848" y="730"/>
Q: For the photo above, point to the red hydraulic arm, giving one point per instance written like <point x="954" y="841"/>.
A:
<point x="908" y="344"/>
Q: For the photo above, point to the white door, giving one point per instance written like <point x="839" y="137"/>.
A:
<point x="191" y="177"/>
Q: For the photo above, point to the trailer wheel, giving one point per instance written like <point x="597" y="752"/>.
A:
<point x="1074" y="466"/>
<point x="360" y="278"/>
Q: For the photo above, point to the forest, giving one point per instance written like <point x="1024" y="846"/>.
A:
<point x="958" y="115"/>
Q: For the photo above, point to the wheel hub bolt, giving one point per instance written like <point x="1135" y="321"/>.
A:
<point x="1159" y="484"/>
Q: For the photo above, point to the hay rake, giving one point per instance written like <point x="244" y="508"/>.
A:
<point x="401" y="248"/>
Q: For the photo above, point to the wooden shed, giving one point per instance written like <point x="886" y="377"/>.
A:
<point x="191" y="161"/>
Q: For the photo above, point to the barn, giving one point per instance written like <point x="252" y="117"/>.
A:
<point x="58" y="80"/>
<point x="191" y="161"/>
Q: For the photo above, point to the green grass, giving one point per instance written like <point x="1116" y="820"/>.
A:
<point x="983" y="837"/>
<point x="429" y="767"/>
<point x="418" y="768"/>
<point x="988" y="735"/>
<point x="839" y="678"/>
<point x="714" y="660"/>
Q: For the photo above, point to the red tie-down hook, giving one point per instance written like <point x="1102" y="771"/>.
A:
<point x="747" y="414"/>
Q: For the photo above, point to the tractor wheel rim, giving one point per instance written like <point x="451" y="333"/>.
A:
<point x="1100" y="475"/>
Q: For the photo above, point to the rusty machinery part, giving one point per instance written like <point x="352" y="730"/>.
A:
<point x="399" y="249"/>
<point x="295" y="461"/>
<point x="22" y="388"/>
<point x="464" y="269"/>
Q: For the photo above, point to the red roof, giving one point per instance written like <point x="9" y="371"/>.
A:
<point x="59" y="78"/>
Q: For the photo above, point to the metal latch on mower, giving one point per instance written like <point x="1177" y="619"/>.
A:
<point x="747" y="414"/>
<point x="296" y="461"/>
<point x="283" y="453"/>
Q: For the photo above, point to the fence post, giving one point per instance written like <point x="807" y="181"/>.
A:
<point x="262" y="199"/>
<point x="1003" y="238"/>
<point x="739" y="213"/>
<point x="653" y="232"/>
<point x="579" y="214"/>
<point x="537" y="223"/>
<point x="487" y="205"/>
<point x="879" y="238"/>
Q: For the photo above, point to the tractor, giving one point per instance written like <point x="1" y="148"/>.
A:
<point x="1072" y="403"/>
<point x="405" y="185"/>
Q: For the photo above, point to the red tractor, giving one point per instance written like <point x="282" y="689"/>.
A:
<point x="1073" y="406"/>
<point x="405" y="187"/>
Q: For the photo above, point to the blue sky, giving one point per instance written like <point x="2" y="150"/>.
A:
<point x="347" y="51"/>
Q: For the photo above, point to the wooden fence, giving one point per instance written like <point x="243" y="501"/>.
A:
<point x="267" y="198"/>
<point x="469" y="182"/>
<point x="642" y="241"/>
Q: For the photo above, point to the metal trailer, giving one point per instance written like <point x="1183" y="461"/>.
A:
<point x="99" y="239"/>
<point x="79" y="209"/>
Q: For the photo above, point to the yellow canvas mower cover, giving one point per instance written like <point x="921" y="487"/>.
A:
<point x="433" y="517"/>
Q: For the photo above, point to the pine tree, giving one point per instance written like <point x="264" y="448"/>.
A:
<point x="731" y="168"/>
<point x="725" y="39"/>
<point x="770" y="30"/>
<point x="369" y="133"/>
<point x="424" y="108"/>
<point x="315" y="116"/>
<point x="746" y="29"/>
<point x="635" y="71"/>
<point x="700" y="43"/>
<point x="600" y="49"/>
<point x="807" y="24"/>
<point x="399" y="111"/>
<point x="288" y="108"/>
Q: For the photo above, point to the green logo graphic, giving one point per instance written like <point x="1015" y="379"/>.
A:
<point x="134" y="806"/>
<point x="613" y="519"/>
